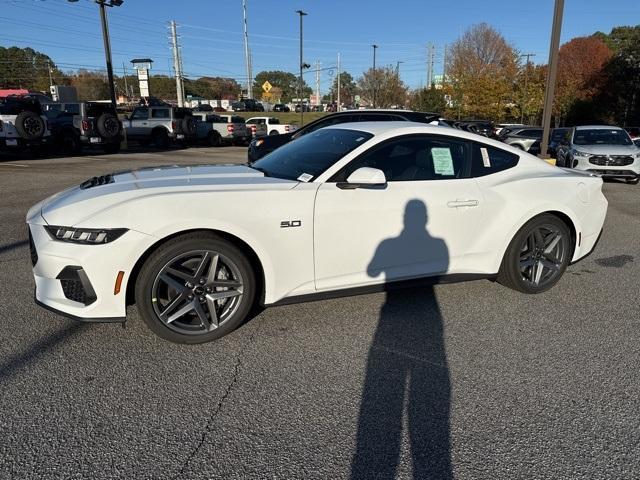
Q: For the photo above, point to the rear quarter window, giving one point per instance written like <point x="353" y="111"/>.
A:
<point x="487" y="160"/>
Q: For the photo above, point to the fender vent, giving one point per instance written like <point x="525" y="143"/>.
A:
<point x="96" y="181"/>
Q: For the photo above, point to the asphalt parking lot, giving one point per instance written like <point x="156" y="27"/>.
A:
<point x="471" y="381"/>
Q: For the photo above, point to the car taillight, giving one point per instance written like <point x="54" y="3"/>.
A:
<point x="230" y="128"/>
<point x="253" y="129"/>
<point x="86" y="124"/>
<point x="174" y="124"/>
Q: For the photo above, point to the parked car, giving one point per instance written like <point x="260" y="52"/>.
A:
<point x="557" y="134"/>
<point x="23" y="124"/>
<point x="281" y="107"/>
<point x="76" y="125"/>
<point x="272" y="125"/>
<point x="305" y="107"/>
<point x="604" y="150"/>
<point x="237" y="127"/>
<point x="348" y="206"/>
<point x="480" y="127"/>
<point x="523" y="137"/>
<point x="256" y="127"/>
<point x="499" y="128"/>
<point x="215" y="131"/>
<point x="247" y="105"/>
<point x="261" y="146"/>
<point x="162" y="125"/>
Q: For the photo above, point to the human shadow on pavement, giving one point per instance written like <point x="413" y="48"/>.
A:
<point x="407" y="378"/>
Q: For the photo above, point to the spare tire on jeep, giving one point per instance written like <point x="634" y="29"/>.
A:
<point x="30" y="125"/>
<point x="108" y="125"/>
<point x="188" y="125"/>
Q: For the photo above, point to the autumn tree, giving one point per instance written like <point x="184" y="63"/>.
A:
<point x="221" y="88"/>
<point x="287" y="82"/>
<point x="384" y="85"/>
<point x="581" y="75"/>
<point x="482" y="69"/>
<point x="91" y="85"/>
<point x="529" y="93"/>
<point x="348" y="89"/>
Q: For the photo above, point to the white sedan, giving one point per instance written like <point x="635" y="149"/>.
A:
<point x="353" y="206"/>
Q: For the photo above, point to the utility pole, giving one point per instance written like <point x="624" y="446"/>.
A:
<point x="302" y="65"/>
<point x="398" y="68"/>
<point x="338" y="105"/>
<point x="526" y="80"/>
<point x="551" y="78"/>
<point x="432" y="55"/>
<point x="375" y="76"/>
<point x="246" y="52"/>
<point x="318" y="82"/>
<point x="176" y="64"/>
<point x="124" y="74"/>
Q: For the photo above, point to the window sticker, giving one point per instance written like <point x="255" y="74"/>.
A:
<point x="442" y="161"/>
<point x="485" y="157"/>
<point x="305" y="177"/>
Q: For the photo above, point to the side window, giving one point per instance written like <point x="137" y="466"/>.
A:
<point x="488" y="160"/>
<point x="415" y="158"/>
<point x="140" y="113"/>
<point x="72" y="108"/>
<point x="160" y="113"/>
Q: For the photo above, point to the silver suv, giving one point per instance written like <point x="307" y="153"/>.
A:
<point x="162" y="125"/>
<point x="606" y="151"/>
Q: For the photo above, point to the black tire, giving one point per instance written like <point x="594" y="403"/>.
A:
<point x="520" y="261"/>
<point x="108" y="125"/>
<point x="274" y="132"/>
<point x="112" y="148"/>
<point x="69" y="144"/>
<point x="30" y="125"/>
<point x="187" y="328"/>
<point x="188" y="125"/>
<point x="214" y="139"/>
<point x="160" y="138"/>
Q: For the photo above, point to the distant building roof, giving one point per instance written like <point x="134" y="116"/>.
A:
<point x="141" y="60"/>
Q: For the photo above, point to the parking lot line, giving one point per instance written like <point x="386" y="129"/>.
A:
<point x="14" y="165"/>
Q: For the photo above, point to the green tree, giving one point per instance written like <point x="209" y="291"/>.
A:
<point x="91" y="85"/>
<point x="384" y="86"/>
<point x="428" y="100"/>
<point x="29" y="69"/>
<point x="287" y="82"/>
<point x="348" y="89"/>
<point x="222" y="88"/>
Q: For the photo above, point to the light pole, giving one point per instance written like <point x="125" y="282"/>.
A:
<point x="551" y="78"/>
<point x="107" y="43"/>
<point x="375" y="77"/>
<point x="302" y="65"/>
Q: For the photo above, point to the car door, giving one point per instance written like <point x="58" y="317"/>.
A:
<point x="138" y="121"/>
<point x="421" y="223"/>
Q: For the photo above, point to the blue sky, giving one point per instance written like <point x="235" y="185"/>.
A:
<point x="211" y="31"/>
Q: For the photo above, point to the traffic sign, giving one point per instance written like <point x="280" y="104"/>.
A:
<point x="266" y="86"/>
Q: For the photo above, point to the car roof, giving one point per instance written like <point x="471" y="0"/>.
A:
<point x="380" y="128"/>
<point x="598" y="127"/>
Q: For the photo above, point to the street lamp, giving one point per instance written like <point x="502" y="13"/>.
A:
<point x="375" y="77"/>
<point x="107" y="43"/>
<point x="302" y="65"/>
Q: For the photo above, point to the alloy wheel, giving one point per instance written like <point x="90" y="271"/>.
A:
<point x="197" y="292"/>
<point x="543" y="254"/>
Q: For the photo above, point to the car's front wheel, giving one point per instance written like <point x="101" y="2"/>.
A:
<point x="195" y="288"/>
<point x="537" y="256"/>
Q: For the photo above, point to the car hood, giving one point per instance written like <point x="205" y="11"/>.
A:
<point x="99" y="193"/>
<point x="608" y="149"/>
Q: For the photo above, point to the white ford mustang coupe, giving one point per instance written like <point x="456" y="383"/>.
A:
<point x="346" y="208"/>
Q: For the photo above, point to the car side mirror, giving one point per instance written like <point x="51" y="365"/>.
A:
<point x="364" y="177"/>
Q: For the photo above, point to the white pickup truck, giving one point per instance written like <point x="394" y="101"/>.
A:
<point x="272" y="124"/>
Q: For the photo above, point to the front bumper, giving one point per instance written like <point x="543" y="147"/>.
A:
<point x="8" y="143"/>
<point x="628" y="170"/>
<point x="77" y="280"/>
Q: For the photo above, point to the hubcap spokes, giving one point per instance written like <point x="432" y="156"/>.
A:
<point x="197" y="292"/>
<point x="542" y="255"/>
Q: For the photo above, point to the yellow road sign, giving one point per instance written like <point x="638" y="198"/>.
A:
<point x="266" y="86"/>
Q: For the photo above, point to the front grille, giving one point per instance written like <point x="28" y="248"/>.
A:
<point x="611" y="160"/>
<point x="32" y="249"/>
<point x="613" y="173"/>
<point x="76" y="286"/>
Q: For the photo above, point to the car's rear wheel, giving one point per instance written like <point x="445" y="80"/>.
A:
<point x="274" y="132"/>
<point x="195" y="288"/>
<point x="537" y="256"/>
<point x="160" y="138"/>
<point x="214" y="139"/>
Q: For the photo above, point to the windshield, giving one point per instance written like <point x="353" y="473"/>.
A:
<point x="601" y="136"/>
<point x="307" y="157"/>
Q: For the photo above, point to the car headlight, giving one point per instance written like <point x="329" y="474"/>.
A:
<point x="86" y="236"/>
<point x="578" y="153"/>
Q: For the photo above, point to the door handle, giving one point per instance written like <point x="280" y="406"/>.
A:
<point x="462" y="203"/>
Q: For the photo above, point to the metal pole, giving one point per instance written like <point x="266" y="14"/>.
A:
<point x="338" y="106"/>
<point x="107" y="52"/>
<point x="246" y="52"/>
<point x="302" y="14"/>
<point x="317" y="82"/>
<point x="551" y="79"/>
<point x="176" y="64"/>
<point x="124" y="74"/>
<point x="375" y="77"/>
